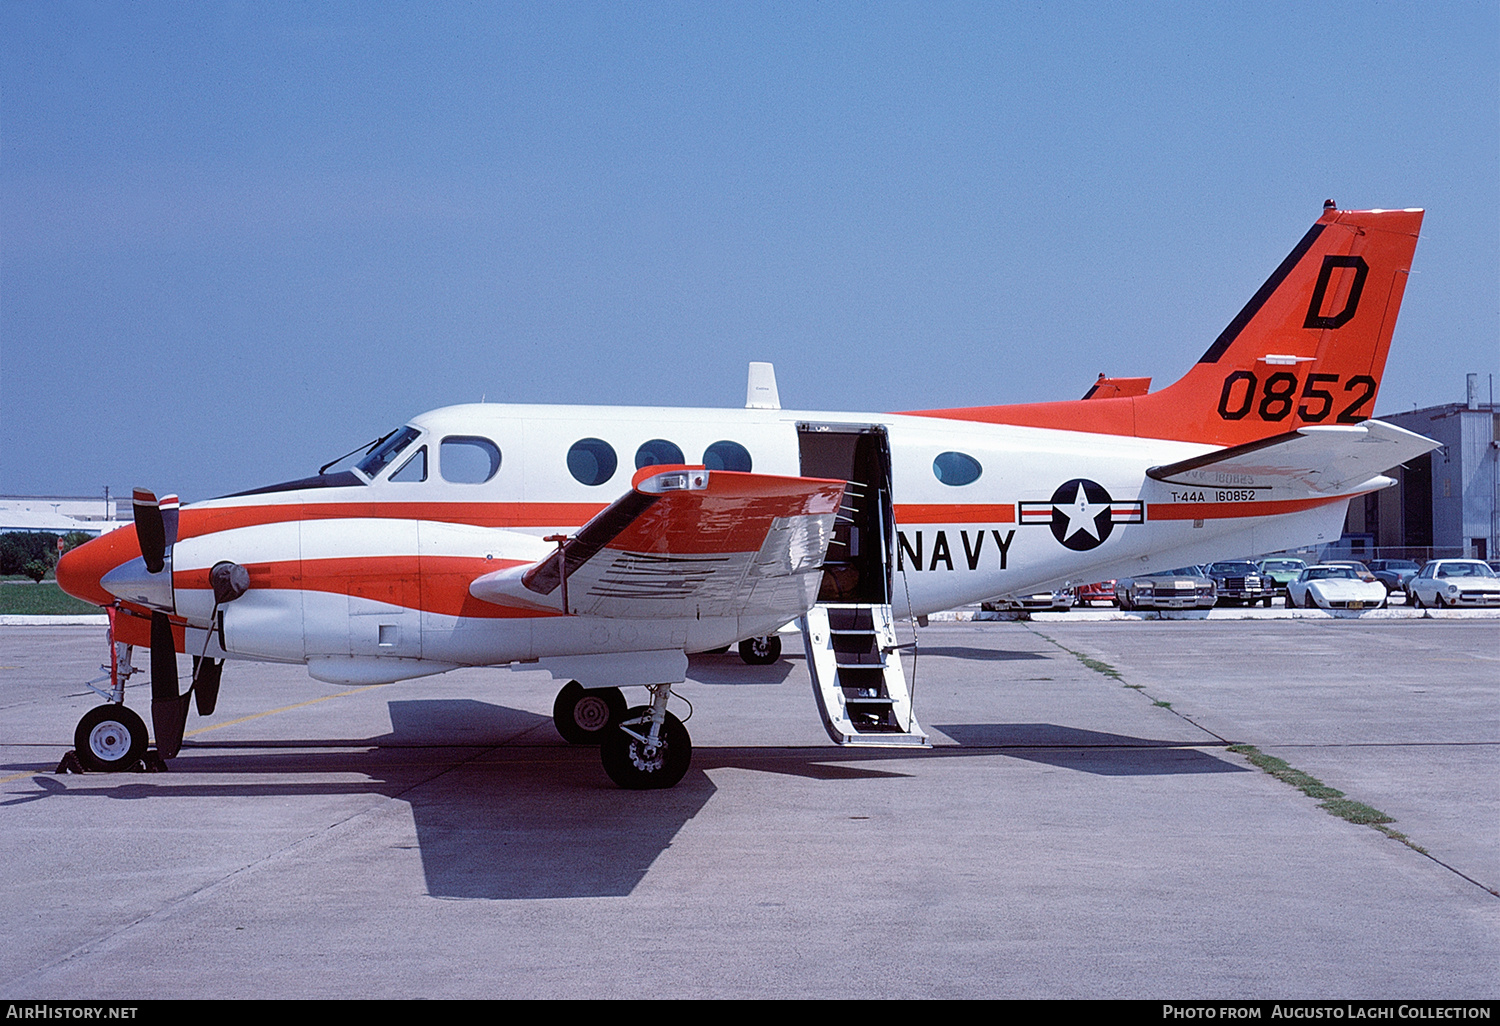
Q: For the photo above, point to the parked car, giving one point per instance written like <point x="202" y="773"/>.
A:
<point x="1362" y="571"/>
<point x="1058" y="601"/>
<point x="1394" y="573"/>
<point x="1240" y="581"/>
<point x="1335" y="586"/>
<point x="1099" y="591"/>
<point x="1282" y="569"/>
<point x="1186" y="587"/>
<point x="1454" y="582"/>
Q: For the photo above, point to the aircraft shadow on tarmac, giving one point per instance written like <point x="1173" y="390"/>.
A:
<point x="1089" y="751"/>
<point x="504" y="810"/>
<point x="975" y="654"/>
<point x="717" y="668"/>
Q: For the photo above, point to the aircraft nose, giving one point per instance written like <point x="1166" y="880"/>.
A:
<point x="81" y="569"/>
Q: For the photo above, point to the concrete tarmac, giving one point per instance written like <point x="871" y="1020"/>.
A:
<point x="1080" y="829"/>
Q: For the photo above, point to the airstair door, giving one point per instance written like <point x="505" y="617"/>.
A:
<point x="850" y="636"/>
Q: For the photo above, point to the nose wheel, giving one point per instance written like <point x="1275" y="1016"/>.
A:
<point x="109" y="739"/>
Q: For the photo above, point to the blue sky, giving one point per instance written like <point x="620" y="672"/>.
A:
<point x="237" y="240"/>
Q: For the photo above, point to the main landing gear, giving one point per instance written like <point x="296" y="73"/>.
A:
<point x="762" y="651"/>
<point x="581" y="715"/>
<point x="642" y="748"/>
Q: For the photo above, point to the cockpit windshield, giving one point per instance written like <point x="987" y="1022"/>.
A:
<point x="385" y="451"/>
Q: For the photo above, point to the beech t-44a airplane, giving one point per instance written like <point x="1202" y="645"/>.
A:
<point x="606" y="544"/>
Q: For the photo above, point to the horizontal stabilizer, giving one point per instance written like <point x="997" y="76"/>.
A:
<point x="1329" y="459"/>
<point x="687" y="542"/>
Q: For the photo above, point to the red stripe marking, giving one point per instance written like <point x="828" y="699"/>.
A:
<point x="1232" y="510"/>
<point x="956" y="513"/>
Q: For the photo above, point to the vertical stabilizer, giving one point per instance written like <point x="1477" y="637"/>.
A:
<point x="1309" y="347"/>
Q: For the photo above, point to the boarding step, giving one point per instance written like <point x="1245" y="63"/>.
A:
<point x="857" y="676"/>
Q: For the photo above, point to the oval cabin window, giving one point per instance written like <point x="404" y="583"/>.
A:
<point x="657" y="452"/>
<point x="956" y="468"/>
<point x="727" y="455"/>
<point x="592" y="461"/>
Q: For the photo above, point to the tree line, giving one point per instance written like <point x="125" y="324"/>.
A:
<point x="34" y="553"/>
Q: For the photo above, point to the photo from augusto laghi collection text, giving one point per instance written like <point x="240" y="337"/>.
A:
<point x="1327" y="1010"/>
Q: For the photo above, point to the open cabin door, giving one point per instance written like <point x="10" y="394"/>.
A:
<point x="858" y="565"/>
<point x="850" y="635"/>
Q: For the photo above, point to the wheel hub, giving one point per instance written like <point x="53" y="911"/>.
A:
<point x="109" y="741"/>
<point x="647" y="758"/>
<point x="591" y="713"/>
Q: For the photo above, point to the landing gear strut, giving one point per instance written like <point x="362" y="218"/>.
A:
<point x="649" y="748"/>
<point x="582" y="714"/>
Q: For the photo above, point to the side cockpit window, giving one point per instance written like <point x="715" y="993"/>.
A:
<point x="386" y="451"/>
<point x="468" y="459"/>
<point x="414" y="469"/>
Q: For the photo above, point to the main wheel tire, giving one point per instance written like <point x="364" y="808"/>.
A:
<point x="582" y="715"/>
<point x="761" y="651"/>
<point x="1413" y="599"/>
<point x="632" y="767"/>
<point x="110" y="738"/>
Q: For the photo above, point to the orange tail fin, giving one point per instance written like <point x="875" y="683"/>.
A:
<point x="1309" y="347"/>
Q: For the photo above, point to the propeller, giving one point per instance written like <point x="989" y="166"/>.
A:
<point x="155" y="527"/>
<point x="156" y="531"/>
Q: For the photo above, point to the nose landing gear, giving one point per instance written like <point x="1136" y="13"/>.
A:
<point x="110" y="738"/>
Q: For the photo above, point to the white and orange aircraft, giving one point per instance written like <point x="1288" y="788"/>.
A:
<point x="492" y="535"/>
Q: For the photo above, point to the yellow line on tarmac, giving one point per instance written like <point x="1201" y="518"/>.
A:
<point x="273" y="712"/>
<point x="227" y="723"/>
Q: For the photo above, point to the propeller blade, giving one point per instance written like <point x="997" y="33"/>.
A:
<point x="169" y="507"/>
<point x="150" y="529"/>
<point x="206" y="676"/>
<point x="168" y="708"/>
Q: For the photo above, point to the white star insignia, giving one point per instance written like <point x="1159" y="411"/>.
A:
<point x="1081" y="513"/>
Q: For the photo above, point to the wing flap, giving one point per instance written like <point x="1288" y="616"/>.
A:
<point x="1326" y="460"/>
<point x="687" y="542"/>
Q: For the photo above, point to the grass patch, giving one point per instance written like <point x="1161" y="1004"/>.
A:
<point x="1164" y="705"/>
<point x="1282" y="771"/>
<point x="1097" y="666"/>
<point x="45" y="599"/>
<point x="1356" y="812"/>
<point x="1331" y="800"/>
